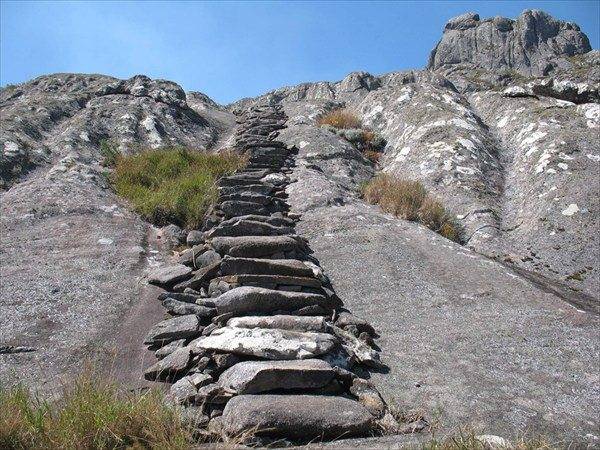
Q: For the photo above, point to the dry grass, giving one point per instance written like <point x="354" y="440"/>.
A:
<point x="340" y="118"/>
<point x="91" y="414"/>
<point x="410" y="200"/>
<point x="172" y="185"/>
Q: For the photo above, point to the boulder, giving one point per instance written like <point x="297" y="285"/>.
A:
<point x="169" y="275"/>
<point x="191" y="255"/>
<point x="252" y="377"/>
<point x="208" y="258"/>
<point x="290" y="267"/>
<point x="281" y="322"/>
<point x="359" y="349"/>
<point x="183" y="327"/>
<point x="266" y="343"/>
<point x="247" y="299"/>
<point x="300" y="417"/>
<point x="233" y="208"/>
<point x="185" y="389"/>
<point x="195" y="237"/>
<point x="254" y="246"/>
<point x="267" y="281"/>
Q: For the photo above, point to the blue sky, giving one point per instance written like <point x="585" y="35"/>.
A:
<point x="231" y="50"/>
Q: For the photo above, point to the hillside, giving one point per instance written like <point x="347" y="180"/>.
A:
<point x="498" y="331"/>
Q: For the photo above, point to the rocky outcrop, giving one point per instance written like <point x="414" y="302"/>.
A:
<point x="533" y="44"/>
<point x="271" y="322"/>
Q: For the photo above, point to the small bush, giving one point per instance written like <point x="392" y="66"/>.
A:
<point x="92" y="414"/>
<point x="172" y="185"/>
<point x="341" y="119"/>
<point x="109" y="153"/>
<point x="409" y="200"/>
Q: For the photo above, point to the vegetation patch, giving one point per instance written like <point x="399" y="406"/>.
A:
<point x="174" y="184"/>
<point x="91" y="414"/>
<point x="409" y="200"/>
<point x="347" y="125"/>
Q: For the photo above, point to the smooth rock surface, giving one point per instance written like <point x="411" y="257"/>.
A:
<point x="169" y="275"/>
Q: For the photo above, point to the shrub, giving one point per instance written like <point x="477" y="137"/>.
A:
<point x="341" y="119"/>
<point x="92" y="414"/>
<point x="172" y="185"/>
<point x="409" y="200"/>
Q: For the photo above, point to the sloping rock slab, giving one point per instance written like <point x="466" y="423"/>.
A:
<point x="247" y="299"/>
<point x="183" y="327"/>
<point x="201" y="277"/>
<point x="254" y="246"/>
<point x="282" y="322"/>
<point x="266" y="343"/>
<point x="267" y="281"/>
<point x="299" y="417"/>
<point x="252" y="377"/>
<point x="289" y="267"/>
<point x="179" y="308"/>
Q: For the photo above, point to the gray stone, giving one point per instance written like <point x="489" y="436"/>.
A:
<point x="169" y="348"/>
<point x="253" y="246"/>
<point x="301" y="417"/>
<point x="201" y="278"/>
<point x="253" y="377"/>
<point x="282" y="322"/>
<point x="180" y="308"/>
<point x="238" y="208"/>
<point x="248" y="299"/>
<point x="185" y="389"/>
<point x="169" y="275"/>
<point x="266" y="343"/>
<point x="359" y="349"/>
<point x="182" y="327"/>
<point x="195" y="237"/>
<point x="190" y="256"/>
<point x="366" y="394"/>
<point x="290" y="267"/>
<point x="172" y="235"/>
<point x="346" y="319"/>
<point x="208" y="258"/>
<point x="171" y="367"/>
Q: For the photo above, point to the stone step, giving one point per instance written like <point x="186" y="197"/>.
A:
<point x="300" y="417"/>
<point x="253" y="197"/>
<point x="282" y="322"/>
<point x="222" y="284"/>
<point x="258" y="188"/>
<point x="253" y="377"/>
<point x="256" y="300"/>
<point x="290" y="267"/>
<point x="257" y="246"/>
<point x="241" y="227"/>
<point x="265" y="343"/>
<point x="238" y="208"/>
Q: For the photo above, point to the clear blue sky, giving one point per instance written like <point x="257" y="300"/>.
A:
<point x="233" y="50"/>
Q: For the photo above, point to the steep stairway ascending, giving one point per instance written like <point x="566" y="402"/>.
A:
<point x="258" y="341"/>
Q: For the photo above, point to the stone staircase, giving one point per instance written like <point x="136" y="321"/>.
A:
<point x="259" y="343"/>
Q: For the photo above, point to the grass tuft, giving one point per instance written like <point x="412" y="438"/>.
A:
<point x="341" y="119"/>
<point x="409" y="200"/>
<point x="91" y="414"/>
<point x="172" y="185"/>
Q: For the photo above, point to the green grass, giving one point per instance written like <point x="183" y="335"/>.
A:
<point x="409" y="200"/>
<point x="172" y="185"/>
<point x="91" y="414"/>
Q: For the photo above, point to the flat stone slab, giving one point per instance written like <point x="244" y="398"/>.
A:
<point x="252" y="377"/>
<point x="301" y="417"/>
<point x="254" y="246"/>
<point x="200" y="279"/>
<point x="183" y="327"/>
<point x="185" y="389"/>
<point x="282" y="322"/>
<point x="266" y="343"/>
<point x="268" y="281"/>
<point x="168" y="275"/>
<point x="257" y="266"/>
<point x="233" y="208"/>
<point x="249" y="299"/>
